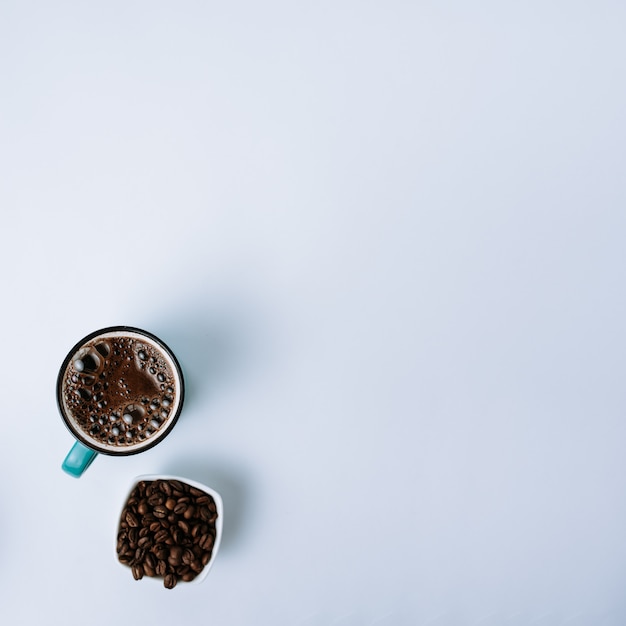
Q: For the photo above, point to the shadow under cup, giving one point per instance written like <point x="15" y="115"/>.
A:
<point x="120" y="391"/>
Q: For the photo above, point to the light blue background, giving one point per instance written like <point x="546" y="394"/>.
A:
<point x="386" y="241"/>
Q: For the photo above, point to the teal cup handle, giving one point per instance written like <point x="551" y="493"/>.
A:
<point x="78" y="459"/>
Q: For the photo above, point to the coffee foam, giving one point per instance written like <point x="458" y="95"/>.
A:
<point x="120" y="391"/>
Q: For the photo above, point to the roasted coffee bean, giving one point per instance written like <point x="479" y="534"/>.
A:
<point x="143" y="532"/>
<point x="149" y="560"/>
<point x="196" y="492"/>
<point x="156" y="499"/>
<point x="171" y="518"/>
<point x="189" y="576"/>
<point x="195" y="530"/>
<point x="176" y="484"/>
<point x="161" y="551"/>
<point x="188" y="556"/>
<point x="124" y="548"/>
<point x="190" y="511"/>
<point x="131" y="520"/>
<point x="161" y="568"/>
<point x="139" y="554"/>
<point x="147" y="570"/>
<point x="176" y="553"/>
<point x="204" y="499"/>
<point x="170" y="581"/>
<point x="176" y="536"/>
<point x="143" y="507"/>
<point x="170" y="504"/>
<point x="184" y="526"/>
<point x="155" y="527"/>
<point x="166" y="488"/>
<point x="145" y="542"/>
<point x="161" y="535"/>
<point x="180" y="508"/>
<point x="196" y="566"/>
<point x="125" y="558"/>
<point x="160" y="511"/>
<point x="137" y="572"/>
<point x="181" y="570"/>
<point x="205" y="513"/>
<point x="206" y="557"/>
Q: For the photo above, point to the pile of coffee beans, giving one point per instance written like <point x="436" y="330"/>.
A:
<point x="167" y="530"/>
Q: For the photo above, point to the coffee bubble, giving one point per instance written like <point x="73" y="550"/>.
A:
<point x="89" y="362"/>
<point x="133" y="414"/>
<point x="85" y="394"/>
<point x="103" y="348"/>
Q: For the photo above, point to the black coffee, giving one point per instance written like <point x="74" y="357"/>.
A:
<point x="120" y="390"/>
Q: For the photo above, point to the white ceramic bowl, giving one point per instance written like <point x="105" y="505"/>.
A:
<point x="218" y="522"/>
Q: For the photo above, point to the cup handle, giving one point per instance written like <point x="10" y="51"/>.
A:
<point x="78" y="459"/>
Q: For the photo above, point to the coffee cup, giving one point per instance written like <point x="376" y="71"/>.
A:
<point x="120" y="391"/>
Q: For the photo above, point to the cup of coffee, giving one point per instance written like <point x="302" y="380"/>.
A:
<point x="120" y="391"/>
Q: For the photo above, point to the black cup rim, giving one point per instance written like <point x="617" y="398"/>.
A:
<point x="79" y="435"/>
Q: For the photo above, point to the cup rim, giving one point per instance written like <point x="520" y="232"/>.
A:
<point x="219" y="522"/>
<point x="79" y="435"/>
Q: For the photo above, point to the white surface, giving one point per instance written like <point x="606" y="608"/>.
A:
<point x="386" y="241"/>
